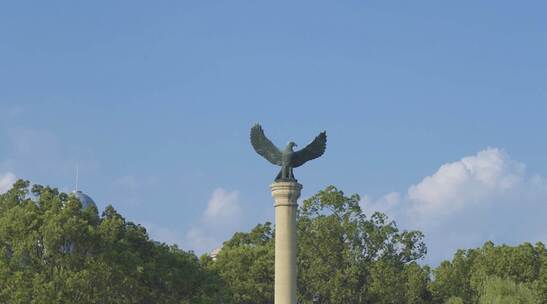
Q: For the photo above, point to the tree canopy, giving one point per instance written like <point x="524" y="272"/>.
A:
<point x="343" y="257"/>
<point x="54" y="251"/>
<point x="465" y="277"/>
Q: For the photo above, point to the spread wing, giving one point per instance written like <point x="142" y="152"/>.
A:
<point x="264" y="146"/>
<point x="315" y="149"/>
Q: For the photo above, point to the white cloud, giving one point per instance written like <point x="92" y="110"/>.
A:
<point x="487" y="196"/>
<point x="386" y="204"/>
<point x="490" y="174"/>
<point x="223" y="206"/>
<point x="6" y="181"/>
<point x="220" y="220"/>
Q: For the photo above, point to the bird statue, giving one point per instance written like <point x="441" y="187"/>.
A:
<point x="287" y="158"/>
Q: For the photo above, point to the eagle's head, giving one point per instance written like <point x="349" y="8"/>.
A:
<point x="290" y="145"/>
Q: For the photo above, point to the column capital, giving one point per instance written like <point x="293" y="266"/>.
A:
<point x="285" y="193"/>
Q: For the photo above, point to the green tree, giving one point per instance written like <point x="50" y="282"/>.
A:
<point x="343" y="257"/>
<point x="504" y="291"/>
<point x="520" y="264"/>
<point x="469" y="270"/>
<point x="452" y="278"/>
<point x="246" y="264"/>
<point x="541" y="284"/>
<point x="52" y="251"/>
<point x="454" y="300"/>
<point x="417" y="281"/>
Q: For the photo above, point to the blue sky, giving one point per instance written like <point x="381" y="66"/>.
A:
<point x="427" y="106"/>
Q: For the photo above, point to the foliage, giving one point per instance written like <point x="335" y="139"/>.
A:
<point x="454" y="300"/>
<point x="343" y="257"/>
<point x="346" y="257"/>
<point x="52" y="251"/>
<point x="246" y="264"/>
<point x="469" y="270"/>
<point x="452" y="278"/>
<point x="504" y="291"/>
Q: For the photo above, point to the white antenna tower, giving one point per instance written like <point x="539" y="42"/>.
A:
<point x="77" y="176"/>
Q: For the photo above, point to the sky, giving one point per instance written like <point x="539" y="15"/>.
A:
<point x="435" y="111"/>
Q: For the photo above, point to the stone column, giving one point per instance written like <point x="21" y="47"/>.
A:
<point x="285" y="194"/>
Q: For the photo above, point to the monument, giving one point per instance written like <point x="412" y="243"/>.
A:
<point x="286" y="191"/>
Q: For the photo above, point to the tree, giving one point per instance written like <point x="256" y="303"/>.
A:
<point x="452" y="278"/>
<point x="504" y="291"/>
<point x="469" y="270"/>
<point x="541" y="284"/>
<point x="520" y="264"/>
<point x="454" y="300"/>
<point x="246" y="264"/>
<point x="52" y="251"/>
<point x="417" y="281"/>
<point x="343" y="257"/>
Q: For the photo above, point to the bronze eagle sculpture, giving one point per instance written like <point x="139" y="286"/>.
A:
<point x="287" y="158"/>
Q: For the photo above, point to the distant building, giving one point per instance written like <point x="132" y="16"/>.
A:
<point x="86" y="202"/>
<point x="84" y="199"/>
<point x="213" y="255"/>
